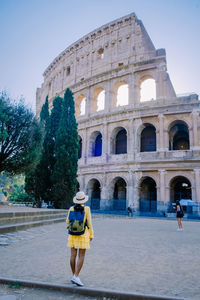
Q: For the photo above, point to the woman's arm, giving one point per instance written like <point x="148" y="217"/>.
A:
<point x="89" y="223"/>
<point x="67" y="220"/>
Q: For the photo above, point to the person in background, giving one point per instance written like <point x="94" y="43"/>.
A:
<point x="79" y="241"/>
<point x="179" y="215"/>
<point x="130" y="210"/>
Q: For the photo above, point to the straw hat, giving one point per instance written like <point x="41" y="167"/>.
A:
<point x="80" y="198"/>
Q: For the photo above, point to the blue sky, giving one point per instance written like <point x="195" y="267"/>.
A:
<point x="34" y="32"/>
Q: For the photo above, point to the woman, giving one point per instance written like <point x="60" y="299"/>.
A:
<point x="79" y="237"/>
<point x="179" y="215"/>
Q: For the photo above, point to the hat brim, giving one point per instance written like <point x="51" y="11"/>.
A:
<point x="75" y="200"/>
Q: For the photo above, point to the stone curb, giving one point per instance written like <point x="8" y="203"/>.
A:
<point x="83" y="291"/>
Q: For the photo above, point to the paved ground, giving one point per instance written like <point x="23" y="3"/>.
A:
<point x="8" y="292"/>
<point x="142" y="256"/>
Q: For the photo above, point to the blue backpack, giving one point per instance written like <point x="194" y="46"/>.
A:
<point x="76" y="221"/>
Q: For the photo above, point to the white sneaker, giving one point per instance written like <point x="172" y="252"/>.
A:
<point x="77" y="281"/>
<point x="179" y="229"/>
<point x="72" y="280"/>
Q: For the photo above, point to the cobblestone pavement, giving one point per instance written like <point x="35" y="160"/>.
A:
<point x="138" y="255"/>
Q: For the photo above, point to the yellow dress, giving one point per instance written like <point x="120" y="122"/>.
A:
<point x="81" y="241"/>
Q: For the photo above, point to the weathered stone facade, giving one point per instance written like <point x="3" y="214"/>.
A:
<point x="146" y="153"/>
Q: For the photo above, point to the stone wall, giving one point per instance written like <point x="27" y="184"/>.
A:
<point x="122" y="54"/>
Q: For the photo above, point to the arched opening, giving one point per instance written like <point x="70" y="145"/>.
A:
<point x="94" y="193"/>
<point x="100" y="53"/>
<point x="119" y="194"/>
<point x="95" y="145"/>
<point x="98" y="100"/>
<point x="180" y="188"/>
<point x="80" y="147"/>
<point x="101" y="101"/>
<point x="179" y="137"/>
<point x="120" y="141"/>
<point x="80" y="105"/>
<point x="147" y="90"/>
<point x="148" y="139"/>
<point x="120" y="94"/>
<point x="148" y="195"/>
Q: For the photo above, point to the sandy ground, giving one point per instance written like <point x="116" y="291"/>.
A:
<point x="138" y="255"/>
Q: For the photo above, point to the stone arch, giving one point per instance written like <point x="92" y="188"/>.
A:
<point x="147" y="138"/>
<point x="118" y="193"/>
<point x="100" y="53"/>
<point x="139" y="130"/>
<point x="119" y="141"/>
<point x="147" y="88"/>
<point x="180" y="188"/>
<point x="147" y="195"/>
<point x="98" y="100"/>
<point x="93" y="190"/>
<point x="120" y="94"/>
<point x="80" y="147"/>
<point x="178" y="132"/>
<point x="95" y="144"/>
<point x="80" y="105"/>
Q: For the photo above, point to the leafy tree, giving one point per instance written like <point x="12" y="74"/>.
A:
<point x="66" y="155"/>
<point x="20" y="137"/>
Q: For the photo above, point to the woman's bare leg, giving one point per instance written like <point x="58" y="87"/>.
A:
<point x="81" y="257"/>
<point x="73" y="259"/>
<point x="180" y="226"/>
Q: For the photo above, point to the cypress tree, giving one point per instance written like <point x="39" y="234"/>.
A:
<point x="53" y="128"/>
<point x="66" y="155"/>
<point x="43" y="170"/>
<point x="44" y="114"/>
<point x="37" y="182"/>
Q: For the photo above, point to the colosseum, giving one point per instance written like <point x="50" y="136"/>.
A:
<point x="139" y="142"/>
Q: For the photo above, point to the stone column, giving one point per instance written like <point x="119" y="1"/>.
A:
<point x="195" y="115"/>
<point x="136" y="137"/>
<point x="162" y="200"/>
<point x="104" y="202"/>
<point x="197" y="186"/>
<point x="84" y="146"/>
<point x="161" y="133"/>
<point x="130" y="190"/>
<point x="88" y="106"/>
<point x="191" y="137"/>
<point x="104" y="198"/>
<point x="131" y="91"/>
<point x="108" y="97"/>
<point x="81" y="182"/>
<point x="136" y="199"/>
<point x="136" y="90"/>
<point x="130" y="140"/>
<point x="105" y="142"/>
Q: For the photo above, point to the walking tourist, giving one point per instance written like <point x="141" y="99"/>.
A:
<point x="80" y="234"/>
<point x="130" y="210"/>
<point x="179" y="215"/>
